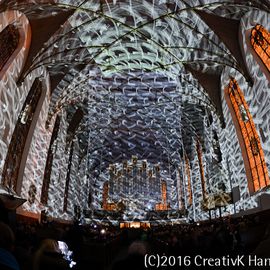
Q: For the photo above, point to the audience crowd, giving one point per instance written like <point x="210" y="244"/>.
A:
<point x="48" y="245"/>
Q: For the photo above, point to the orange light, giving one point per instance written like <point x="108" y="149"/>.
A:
<point x="199" y="153"/>
<point x="260" y="41"/>
<point x="250" y="141"/>
<point x="189" y="180"/>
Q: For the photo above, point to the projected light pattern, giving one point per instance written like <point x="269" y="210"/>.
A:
<point x="257" y="94"/>
<point x="134" y="187"/>
<point x="145" y="123"/>
<point x="111" y="127"/>
<point x="120" y="123"/>
<point x="11" y="96"/>
<point x="123" y="66"/>
<point x="119" y="36"/>
<point x="35" y="165"/>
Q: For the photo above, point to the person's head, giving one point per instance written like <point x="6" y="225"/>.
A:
<point x="49" y="245"/>
<point x="137" y="248"/>
<point x="7" y="237"/>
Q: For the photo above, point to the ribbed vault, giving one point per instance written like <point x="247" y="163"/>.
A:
<point x="131" y="76"/>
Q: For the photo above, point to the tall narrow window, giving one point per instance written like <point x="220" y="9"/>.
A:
<point x="49" y="163"/>
<point x="73" y="125"/>
<point x="249" y="140"/>
<point x="216" y="147"/>
<point x="187" y="167"/>
<point x="105" y="196"/>
<point x="180" y="190"/>
<point x="163" y="205"/>
<point x="200" y="158"/>
<point x="68" y="178"/>
<point x="164" y="192"/>
<point x="18" y="141"/>
<point x="9" y="40"/>
<point x="260" y="41"/>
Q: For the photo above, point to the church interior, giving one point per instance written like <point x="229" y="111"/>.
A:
<point x="133" y="127"/>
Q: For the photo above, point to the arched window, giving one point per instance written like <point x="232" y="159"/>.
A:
<point x="249" y="140"/>
<point x="9" y="40"/>
<point x="260" y="41"/>
<point x="17" y="147"/>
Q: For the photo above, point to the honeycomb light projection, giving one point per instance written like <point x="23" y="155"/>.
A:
<point x="138" y="98"/>
<point x="154" y="123"/>
<point x="131" y="134"/>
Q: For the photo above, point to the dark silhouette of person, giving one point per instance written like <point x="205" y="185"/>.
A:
<point x="7" y="239"/>
<point x="49" y="256"/>
<point x="135" y="258"/>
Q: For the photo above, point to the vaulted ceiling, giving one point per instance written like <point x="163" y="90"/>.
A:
<point x="135" y="77"/>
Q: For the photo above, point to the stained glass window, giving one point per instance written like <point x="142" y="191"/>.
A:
<point x="249" y="140"/>
<point x="260" y="41"/>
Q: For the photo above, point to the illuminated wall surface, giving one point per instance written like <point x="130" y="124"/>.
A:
<point x="129" y="122"/>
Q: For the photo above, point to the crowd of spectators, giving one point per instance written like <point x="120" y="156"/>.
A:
<point x="215" y="238"/>
<point x="36" y="246"/>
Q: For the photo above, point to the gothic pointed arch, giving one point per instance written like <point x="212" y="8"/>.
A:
<point x="15" y="40"/>
<point x="252" y="152"/>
